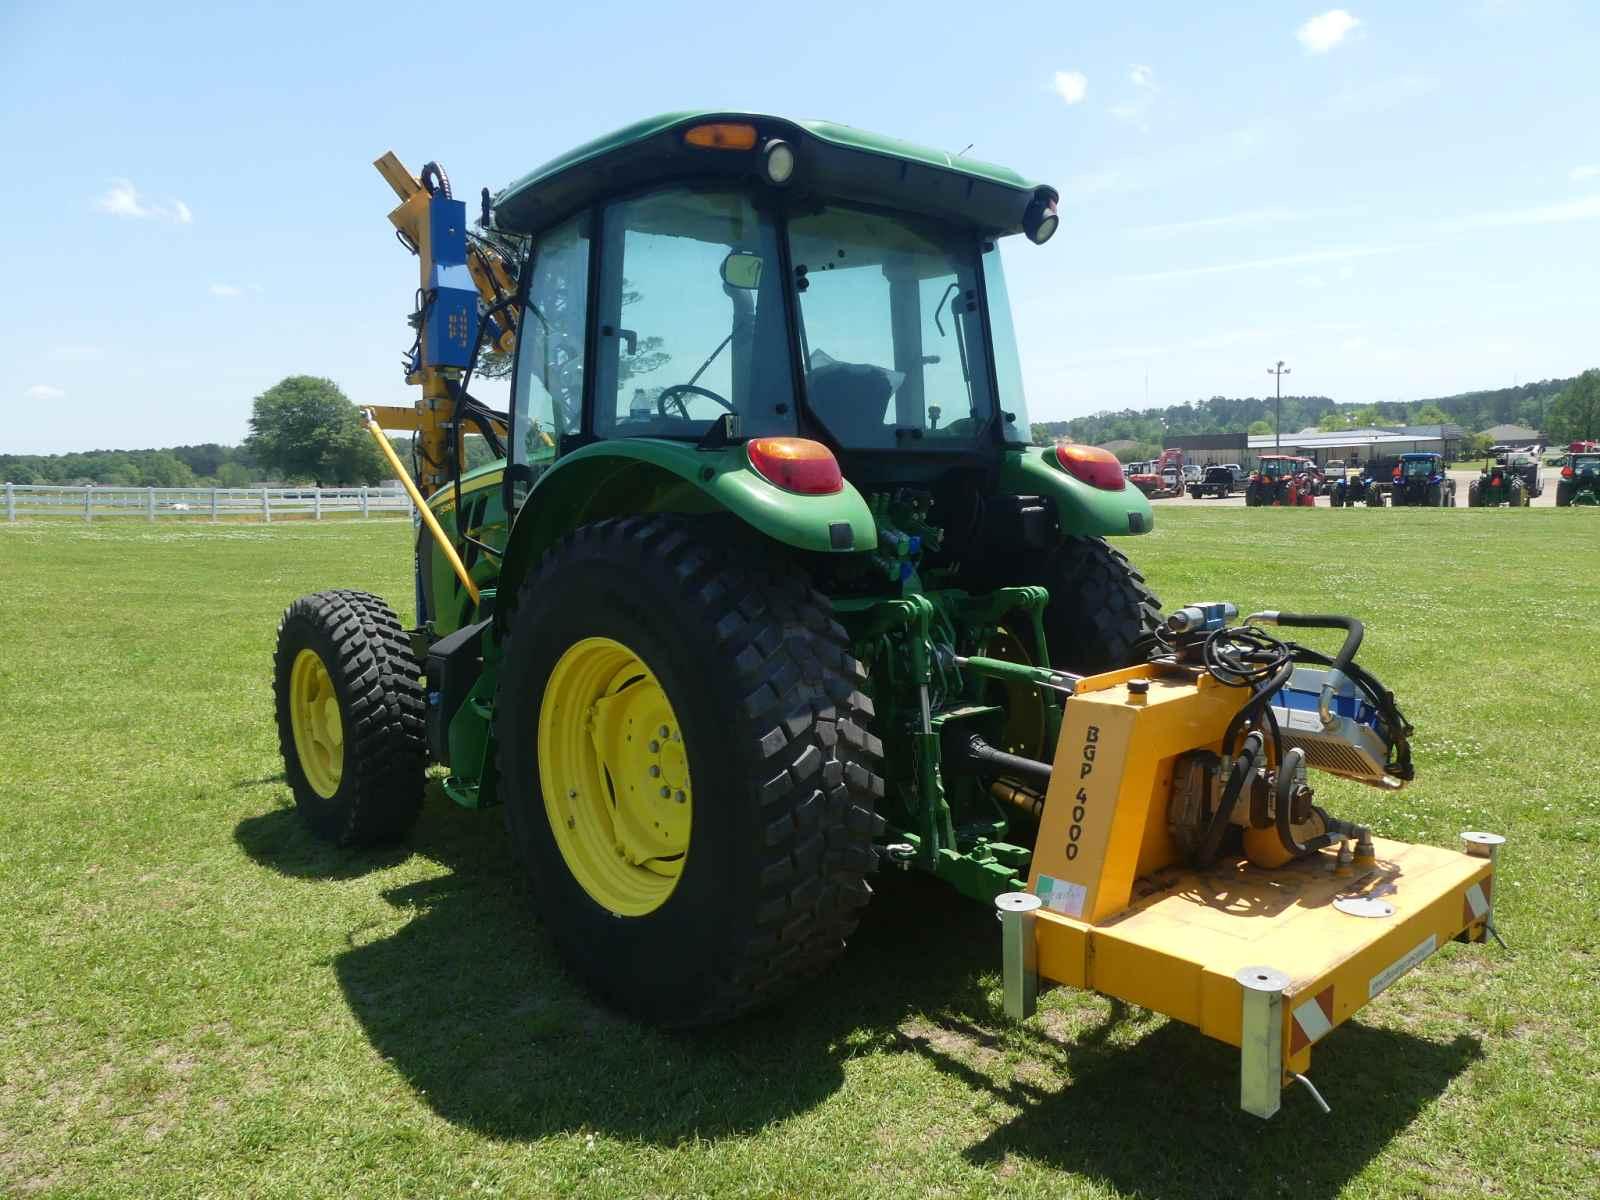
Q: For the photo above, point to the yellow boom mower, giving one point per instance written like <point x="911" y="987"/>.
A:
<point x="1182" y="865"/>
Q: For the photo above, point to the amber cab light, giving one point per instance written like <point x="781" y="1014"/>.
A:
<point x="1096" y="467"/>
<point x="796" y="465"/>
<point x="722" y="135"/>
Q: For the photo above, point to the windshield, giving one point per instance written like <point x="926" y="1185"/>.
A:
<point x="1586" y="462"/>
<point x="1273" y="467"/>
<point x="891" y="330"/>
<point x="1418" y="467"/>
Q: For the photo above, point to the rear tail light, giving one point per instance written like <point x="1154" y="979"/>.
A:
<point x="796" y="465"/>
<point x="1096" y="467"/>
<point x="1566" y="472"/>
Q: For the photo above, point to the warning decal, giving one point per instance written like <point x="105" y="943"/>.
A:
<point x="1060" y="896"/>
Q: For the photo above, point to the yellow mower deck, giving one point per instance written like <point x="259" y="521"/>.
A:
<point x="1266" y="960"/>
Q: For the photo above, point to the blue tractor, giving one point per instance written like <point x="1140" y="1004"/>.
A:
<point x="1421" y="480"/>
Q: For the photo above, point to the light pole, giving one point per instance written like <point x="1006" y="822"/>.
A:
<point x="1277" y="411"/>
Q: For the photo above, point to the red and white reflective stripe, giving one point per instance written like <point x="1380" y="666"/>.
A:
<point x="1312" y="1018"/>
<point x="1475" y="904"/>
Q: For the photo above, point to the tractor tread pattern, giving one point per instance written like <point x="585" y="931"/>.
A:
<point x="806" y="717"/>
<point x="385" y="743"/>
<point x="1116" y="609"/>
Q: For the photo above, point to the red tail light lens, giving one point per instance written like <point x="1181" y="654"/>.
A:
<point x="1096" y="467"/>
<point x="1566" y="472"/>
<point x="796" y="465"/>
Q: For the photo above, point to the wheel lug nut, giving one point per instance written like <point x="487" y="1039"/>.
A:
<point x="665" y="732"/>
<point x="655" y="772"/>
<point x="682" y="796"/>
<point x="665" y="791"/>
<point x="655" y="747"/>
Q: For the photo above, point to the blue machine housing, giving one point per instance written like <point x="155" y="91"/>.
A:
<point x="450" y="329"/>
<point x="1354" y="744"/>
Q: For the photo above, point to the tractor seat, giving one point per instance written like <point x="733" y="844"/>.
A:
<point x="851" y="399"/>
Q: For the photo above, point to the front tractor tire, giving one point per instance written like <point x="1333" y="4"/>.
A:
<point x="686" y="759"/>
<point x="350" y="718"/>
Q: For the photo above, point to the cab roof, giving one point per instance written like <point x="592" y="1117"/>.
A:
<point x="831" y="160"/>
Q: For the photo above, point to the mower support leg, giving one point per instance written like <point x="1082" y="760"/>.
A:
<point x="1261" y="1041"/>
<point x="1019" y="952"/>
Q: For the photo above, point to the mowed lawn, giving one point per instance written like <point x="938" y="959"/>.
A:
<point x="198" y="1000"/>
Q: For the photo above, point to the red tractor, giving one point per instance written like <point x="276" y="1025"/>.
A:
<point x="1280" y="480"/>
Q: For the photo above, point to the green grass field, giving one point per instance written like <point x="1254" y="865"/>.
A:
<point x="197" y="1000"/>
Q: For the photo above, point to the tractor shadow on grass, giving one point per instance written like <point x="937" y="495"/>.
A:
<point x="469" y="1003"/>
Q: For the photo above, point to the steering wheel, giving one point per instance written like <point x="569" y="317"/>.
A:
<point x="677" y="391"/>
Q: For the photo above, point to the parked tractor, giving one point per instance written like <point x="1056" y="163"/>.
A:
<point x="1505" y="480"/>
<point x="1580" y="477"/>
<point x="1217" y="481"/>
<point x="1421" y="480"/>
<point x="767" y="587"/>
<point x="1279" y="479"/>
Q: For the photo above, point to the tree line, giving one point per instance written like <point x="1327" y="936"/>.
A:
<point x="1562" y="408"/>
<point x="304" y="429"/>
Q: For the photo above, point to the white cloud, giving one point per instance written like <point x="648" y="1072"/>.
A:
<point x="1313" y="281"/>
<point x="1071" y="86"/>
<point x="76" y="353"/>
<point x="1325" y="31"/>
<point x="124" y="200"/>
<point x="1587" y="209"/>
<point x="1141" y="76"/>
<point x="43" y="391"/>
<point x="226" y="290"/>
<point x="1346" y="272"/>
<point x="1586" y="171"/>
<point x="1258" y="264"/>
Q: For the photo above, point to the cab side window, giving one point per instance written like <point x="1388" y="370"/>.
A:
<point x="550" y="346"/>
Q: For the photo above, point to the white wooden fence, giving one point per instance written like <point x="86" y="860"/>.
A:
<point x="215" y="504"/>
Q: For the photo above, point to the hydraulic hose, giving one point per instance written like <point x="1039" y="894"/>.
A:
<point x="1244" y="767"/>
<point x="1354" y="631"/>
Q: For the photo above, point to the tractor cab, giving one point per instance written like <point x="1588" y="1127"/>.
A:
<point x="712" y="280"/>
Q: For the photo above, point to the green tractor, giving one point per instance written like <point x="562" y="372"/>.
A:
<point x="768" y="584"/>
<point x="1511" y="479"/>
<point x="1580" y="477"/>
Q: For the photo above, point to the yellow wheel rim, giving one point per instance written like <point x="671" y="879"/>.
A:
<point x="314" y="717"/>
<point x="615" y="775"/>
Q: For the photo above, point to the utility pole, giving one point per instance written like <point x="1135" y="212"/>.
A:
<point x="1277" y="412"/>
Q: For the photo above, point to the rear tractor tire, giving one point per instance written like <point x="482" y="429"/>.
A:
<point x="350" y="718"/>
<point x="1101" y="609"/>
<point x="686" y="755"/>
<point x="1564" y="492"/>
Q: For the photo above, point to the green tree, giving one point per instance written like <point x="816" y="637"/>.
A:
<point x="162" y="468"/>
<point x="1575" y="413"/>
<point x="304" y="427"/>
<point x="234" y="475"/>
<point x="1332" y="421"/>
<point x="1430" y="414"/>
<point x="1260" y="428"/>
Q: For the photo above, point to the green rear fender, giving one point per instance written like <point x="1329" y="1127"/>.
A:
<point x="625" y="477"/>
<point x="1082" y="510"/>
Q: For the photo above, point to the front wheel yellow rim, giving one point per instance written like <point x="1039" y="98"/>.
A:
<point x="614" y="771"/>
<point x="318" y="729"/>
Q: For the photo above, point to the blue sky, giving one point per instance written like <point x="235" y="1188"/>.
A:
<point x="1399" y="200"/>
